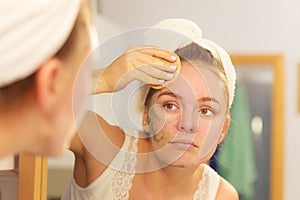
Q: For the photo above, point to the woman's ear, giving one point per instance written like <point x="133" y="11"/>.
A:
<point x="47" y="86"/>
<point x="225" y="129"/>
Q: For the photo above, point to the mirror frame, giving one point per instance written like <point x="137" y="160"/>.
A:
<point x="32" y="177"/>
<point x="277" y="116"/>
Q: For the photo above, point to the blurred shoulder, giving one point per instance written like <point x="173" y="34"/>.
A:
<point x="226" y="191"/>
<point x="95" y="131"/>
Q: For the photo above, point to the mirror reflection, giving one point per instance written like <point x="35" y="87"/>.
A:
<point x="255" y="85"/>
<point x="255" y="90"/>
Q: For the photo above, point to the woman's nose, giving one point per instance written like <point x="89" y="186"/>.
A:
<point x="189" y="120"/>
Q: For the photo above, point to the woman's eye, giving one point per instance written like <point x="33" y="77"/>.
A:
<point x="170" y="106"/>
<point x="206" y="112"/>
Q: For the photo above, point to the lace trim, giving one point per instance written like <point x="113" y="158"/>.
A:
<point x="208" y="185"/>
<point x="122" y="180"/>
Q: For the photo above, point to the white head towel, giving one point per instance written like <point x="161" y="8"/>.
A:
<point x="32" y="31"/>
<point x="177" y="33"/>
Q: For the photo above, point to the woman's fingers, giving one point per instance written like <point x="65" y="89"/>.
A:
<point x="157" y="52"/>
<point x="154" y="67"/>
<point x="154" y="71"/>
<point x="141" y="76"/>
<point x="158" y="63"/>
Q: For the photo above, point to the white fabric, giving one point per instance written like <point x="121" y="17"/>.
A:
<point x="208" y="186"/>
<point x="115" y="185"/>
<point x="177" y="33"/>
<point x="112" y="184"/>
<point x="32" y="31"/>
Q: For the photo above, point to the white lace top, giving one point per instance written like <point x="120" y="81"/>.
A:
<point x="116" y="184"/>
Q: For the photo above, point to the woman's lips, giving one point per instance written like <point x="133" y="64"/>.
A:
<point x="183" y="144"/>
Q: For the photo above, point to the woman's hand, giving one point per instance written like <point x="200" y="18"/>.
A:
<point x="151" y="65"/>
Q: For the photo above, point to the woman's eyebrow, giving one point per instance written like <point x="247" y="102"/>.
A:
<point x="202" y="99"/>
<point x="209" y="99"/>
<point x="170" y="94"/>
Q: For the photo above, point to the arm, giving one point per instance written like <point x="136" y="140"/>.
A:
<point x="91" y="162"/>
<point x="144" y="64"/>
<point x="150" y="65"/>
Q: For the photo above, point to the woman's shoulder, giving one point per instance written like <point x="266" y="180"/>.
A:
<point x="94" y="130"/>
<point x="94" y="138"/>
<point x="215" y="186"/>
<point x="226" y="191"/>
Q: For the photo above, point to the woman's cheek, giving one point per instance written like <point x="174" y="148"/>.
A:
<point x="173" y="124"/>
<point x="160" y="140"/>
<point x="203" y="129"/>
<point x="156" y="119"/>
<point x="162" y="134"/>
<point x="81" y="91"/>
<point x="202" y="133"/>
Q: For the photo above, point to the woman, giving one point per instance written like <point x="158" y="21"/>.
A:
<point x="42" y="46"/>
<point x="184" y="119"/>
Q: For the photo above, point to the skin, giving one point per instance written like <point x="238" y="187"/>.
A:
<point x="182" y="115"/>
<point x="167" y="122"/>
<point x="147" y="64"/>
<point x="42" y="123"/>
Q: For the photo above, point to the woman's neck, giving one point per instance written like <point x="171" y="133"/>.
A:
<point x="8" y="138"/>
<point x="172" y="182"/>
<point x="177" y="178"/>
<point x="15" y="131"/>
<point x="180" y="175"/>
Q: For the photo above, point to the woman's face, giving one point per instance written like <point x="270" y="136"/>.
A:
<point x="185" y="121"/>
<point x="75" y="91"/>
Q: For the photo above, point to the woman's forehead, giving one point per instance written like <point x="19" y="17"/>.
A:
<point x="199" y="82"/>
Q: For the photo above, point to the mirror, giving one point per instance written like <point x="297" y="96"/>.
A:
<point x="262" y="76"/>
<point x="259" y="72"/>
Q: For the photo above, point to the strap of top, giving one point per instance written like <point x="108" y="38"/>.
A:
<point x="208" y="185"/>
<point x="122" y="180"/>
